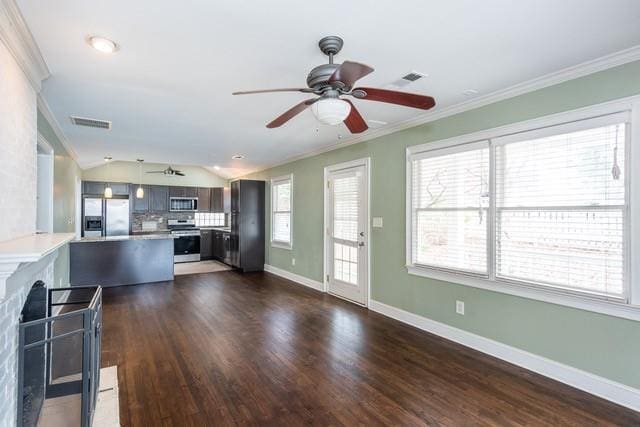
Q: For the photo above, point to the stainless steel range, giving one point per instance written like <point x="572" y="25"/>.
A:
<point x="186" y="247"/>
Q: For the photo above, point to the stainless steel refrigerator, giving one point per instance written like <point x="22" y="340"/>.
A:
<point x="105" y="217"/>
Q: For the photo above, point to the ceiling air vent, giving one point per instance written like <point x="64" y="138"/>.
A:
<point x="413" y="76"/>
<point x="92" y="123"/>
<point x="406" y="80"/>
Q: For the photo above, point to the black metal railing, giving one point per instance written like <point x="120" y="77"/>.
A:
<point x="68" y="339"/>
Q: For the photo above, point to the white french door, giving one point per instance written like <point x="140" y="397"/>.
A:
<point x="347" y="230"/>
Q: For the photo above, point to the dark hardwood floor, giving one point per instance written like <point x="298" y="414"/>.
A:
<point x="230" y="349"/>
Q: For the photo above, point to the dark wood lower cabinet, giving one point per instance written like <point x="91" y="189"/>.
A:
<point x="206" y="244"/>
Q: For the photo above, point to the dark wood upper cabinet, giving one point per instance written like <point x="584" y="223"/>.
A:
<point x="140" y="205"/>
<point x="97" y="188"/>
<point x="216" y="199"/>
<point x="226" y="200"/>
<point x="158" y="198"/>
<point x="119" y="188"/>
<point x="179" y="191"/>
<point x="93" y="187"/>
<point x="175" y="191"/>
<point x="204" y="199"/>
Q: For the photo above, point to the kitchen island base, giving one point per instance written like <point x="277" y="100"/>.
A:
<point x="126" y="261"/>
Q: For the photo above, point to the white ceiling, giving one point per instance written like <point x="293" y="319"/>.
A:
<point x="168" y="89"/>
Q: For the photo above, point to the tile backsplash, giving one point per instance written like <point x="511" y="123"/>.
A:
<point x="160" y="219"/>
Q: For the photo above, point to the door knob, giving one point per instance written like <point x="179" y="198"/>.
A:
<point x="361" y="244"/>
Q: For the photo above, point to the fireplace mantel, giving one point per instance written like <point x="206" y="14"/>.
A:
<point x="16" y="253"/>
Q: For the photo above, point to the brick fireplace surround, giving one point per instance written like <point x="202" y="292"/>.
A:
<point x="24" y="256"/>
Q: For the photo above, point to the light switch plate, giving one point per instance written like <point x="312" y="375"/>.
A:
<point x="377" y="222"/>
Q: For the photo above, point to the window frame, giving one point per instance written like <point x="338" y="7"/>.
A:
<point x="275" y="182"/>
<point x="629" y="110"/>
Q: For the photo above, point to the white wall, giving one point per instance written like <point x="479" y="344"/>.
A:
<point x="18" y="136"/>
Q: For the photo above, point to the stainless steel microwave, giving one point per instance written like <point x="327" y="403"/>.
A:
<point x="183" y="204"/>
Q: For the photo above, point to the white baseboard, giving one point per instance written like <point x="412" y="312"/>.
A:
<point x="599" y="386"/>
<point x="313" y="284"/>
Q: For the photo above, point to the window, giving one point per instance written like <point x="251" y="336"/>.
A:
<point x="560" y="211"/>
<point x="281" y="202"/>
<point x="543" y="210"/>
<point x="450" y="202"/>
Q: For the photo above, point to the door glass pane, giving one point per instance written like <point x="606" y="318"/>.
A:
<point x="345" y="208"/>
<point x="346" y="200"/>
<point x="345" y="262"/>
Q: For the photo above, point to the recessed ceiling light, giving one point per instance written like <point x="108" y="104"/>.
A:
<point x="103" y="45"/>
<point x="238" y="157"/>
<point x="216" y="167"/>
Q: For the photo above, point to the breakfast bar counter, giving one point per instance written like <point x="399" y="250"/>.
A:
<point x="121" y="260"/>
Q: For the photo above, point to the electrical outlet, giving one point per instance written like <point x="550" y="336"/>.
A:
<point x="293" y="261"/>
<point x="460" y="307"/>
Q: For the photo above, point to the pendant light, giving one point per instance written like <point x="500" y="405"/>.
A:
<point x="140" y="190"/>
<point x="108" y="192"/>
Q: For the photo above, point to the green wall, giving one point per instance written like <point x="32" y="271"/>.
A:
<point x="118" y="171"/>
<point x="600" y="344"/>
<point x="65" y="172"/>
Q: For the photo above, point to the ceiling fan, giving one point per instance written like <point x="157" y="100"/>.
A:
<point x="330" y="82"/>
<point x="169" y="171"/>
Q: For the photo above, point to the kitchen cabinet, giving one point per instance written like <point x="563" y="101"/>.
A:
<point x="140" y="205"/>
<point x="119" y="188"/>
<point x="175" y="191"/>
<point x="226" y="199"/>
<point x="247" y="225"/>
<point x="178" y="191"/>
<point x="93" y="187"/>
<point x="220" y="198"/>
<point x="217" y="246"/>
<point x="216" y="199"/>
<point x="190" y="191"/>
<point x="204" y="199"/>
<point x="96" y="188"/>
<point x="206" y="244"/>
<point x="158" y="198"/>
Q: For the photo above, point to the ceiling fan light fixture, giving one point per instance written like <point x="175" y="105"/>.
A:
<point x="331" y="111"/>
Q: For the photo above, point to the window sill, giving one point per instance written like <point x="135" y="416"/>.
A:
<point x="596" y="305"/>
<point x="281" y="245"/>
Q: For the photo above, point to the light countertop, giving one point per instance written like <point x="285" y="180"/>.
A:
<point x="159" y="236"/>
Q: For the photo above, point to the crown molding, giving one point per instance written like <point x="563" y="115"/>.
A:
<point x="43" y="106"/>
<point x="15" y="34"/>
<point x="580" y="70"/>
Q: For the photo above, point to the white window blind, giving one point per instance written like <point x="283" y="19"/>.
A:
<point x="281" y="211"/>
<point x="346" y="210"/>
<point x="547" y="208"/>
<point x="450" y="198"/>
<point x="560" y="210"/>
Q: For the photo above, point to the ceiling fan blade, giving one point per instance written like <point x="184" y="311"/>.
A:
<point x="155" y="171"/>
<point x="354" y="121"/>
<point x="290" y="89"/>
<point x="178" y="173"/>
<point x="349" y="72"/>
<point x="393" y="97"/>
<point x="291" y="113"/>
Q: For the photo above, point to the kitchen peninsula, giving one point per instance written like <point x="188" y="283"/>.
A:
<point x="121" y="260"/>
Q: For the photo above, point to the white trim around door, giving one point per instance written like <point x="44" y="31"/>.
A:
<point x="364" y="280"/>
